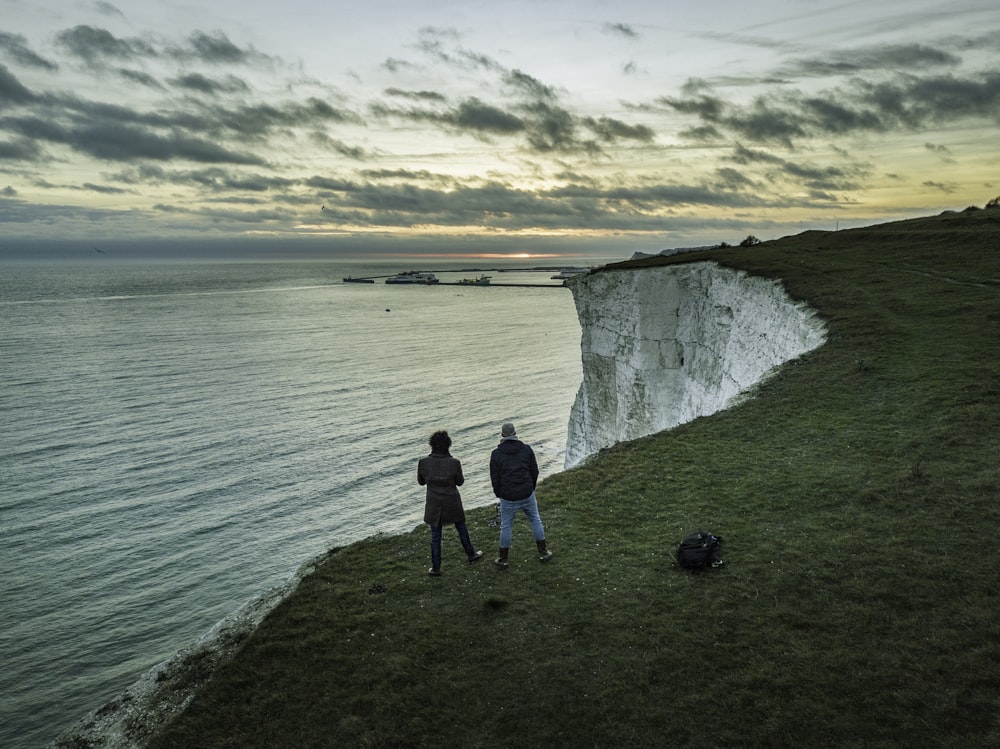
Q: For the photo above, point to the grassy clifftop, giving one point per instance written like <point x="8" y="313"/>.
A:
<point x="860" y="601"/>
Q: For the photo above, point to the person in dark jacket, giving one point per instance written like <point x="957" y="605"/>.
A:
<point x="514" y="473"/>
<point x="442" y="475"/>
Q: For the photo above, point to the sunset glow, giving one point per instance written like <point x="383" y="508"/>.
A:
<point x="611" y="128"/>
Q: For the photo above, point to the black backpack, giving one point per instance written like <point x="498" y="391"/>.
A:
<point x="699" y="550"/>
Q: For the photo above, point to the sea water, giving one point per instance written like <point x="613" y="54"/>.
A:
<point x="177" y="438"/>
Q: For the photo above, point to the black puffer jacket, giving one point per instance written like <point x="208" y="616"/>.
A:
<point x="513" y="470"/>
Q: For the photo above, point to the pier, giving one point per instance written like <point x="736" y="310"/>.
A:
<point x="467" y="284"/>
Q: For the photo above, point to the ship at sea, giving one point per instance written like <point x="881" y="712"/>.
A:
<point x="413" y="277"/>
<point x="478" y="281"/>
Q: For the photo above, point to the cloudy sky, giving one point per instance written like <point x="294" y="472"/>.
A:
<point x="603" y="126"/>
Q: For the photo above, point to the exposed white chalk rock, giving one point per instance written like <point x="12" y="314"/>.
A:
<point x="662" y="346"/>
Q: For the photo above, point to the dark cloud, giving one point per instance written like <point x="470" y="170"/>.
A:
<point x="222" y="180"/>
<point x="653" y="198"/>
<point x="95" y="45"/>
<point x="546" y="127"/>
<point x="262" y="120"/>
<point x="20" y="149"/>
<point x="104" y="189"/>
<point x="217" y="48"/>
<point x="470" y="59"/>
<point x="830" y="178"/>
<point x="727" y="178"/>
<point x="111" y="140"/>
<point x="217" y="180"/>
<point x="900" y="102"/>
<point x="832" y="117"/>
<point x="338" y="146"/>
<point x="474" y="115"/>
<point x="141" y="78"/>
<point x="552" y="128"/>
<point x="611" y="130"/>
<point x="940" y="186"/>
<point x="205" y="85"/>
<point x="949" y="98"/>
<point x="109" y="132"/>
<point x="435" y="43"/>
<point x="108" y="9"/>
<point x="15" y="47"/>
<point x="499" y="206"/>
<point x="744" y="155"/>
<point x="703" y="133"/>
<point x="942" y="152"/>
<point x="895" y="58"/>
<point x="429" y="96"/>
<point x="471" y="116"/>
<point x="697" y="98"/>
<point x="621" y="29"/>
<point x="395" y="65"/>
<point x="438" y="34"/>
<point x="121" y="142"/>
<point x="213" y="215"/>
<point x="529" y="86"/>
<point x="420" y="175"/>
<point x="12" y="91"/>
<point x="329" y="185"/>
<point x="141" y="173"/>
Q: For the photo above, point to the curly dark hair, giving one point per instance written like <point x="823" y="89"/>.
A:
<point x="440" y="442"/>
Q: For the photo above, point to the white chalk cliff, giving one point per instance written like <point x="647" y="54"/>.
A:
<point x="662" y="346"/>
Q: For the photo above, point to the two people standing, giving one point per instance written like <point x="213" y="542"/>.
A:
<point x="513" y="473"/>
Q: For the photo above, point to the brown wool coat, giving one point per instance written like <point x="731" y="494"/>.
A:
<point x="442" y="474"/>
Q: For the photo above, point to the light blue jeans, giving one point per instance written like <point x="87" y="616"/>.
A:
<point x="508" y="509"/>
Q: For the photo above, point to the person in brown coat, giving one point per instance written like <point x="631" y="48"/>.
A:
<point x="442" y="475"/>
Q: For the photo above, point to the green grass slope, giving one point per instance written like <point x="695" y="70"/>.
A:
<point x="858" y="607"/>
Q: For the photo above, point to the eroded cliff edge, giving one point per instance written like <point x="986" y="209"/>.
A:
<point x="665" y="345"/>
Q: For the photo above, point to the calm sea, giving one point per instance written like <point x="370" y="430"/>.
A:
<point x="178" y="438"/>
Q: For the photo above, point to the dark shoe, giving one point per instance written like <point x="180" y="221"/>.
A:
<point x="501" y="561"/>
<point x="544" y="554"/>
<point x="434" y="572"/>
<point x="475" y="557"/>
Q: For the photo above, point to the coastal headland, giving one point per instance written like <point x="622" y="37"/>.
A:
<point x="857" y="495"/>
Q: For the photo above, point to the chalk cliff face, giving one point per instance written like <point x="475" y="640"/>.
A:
<point x="662" y="346"/>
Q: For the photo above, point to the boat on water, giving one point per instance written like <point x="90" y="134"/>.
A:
<point x="413" y="277"/>
<point x="348" y="279"/>
<point x="479" y="281"/>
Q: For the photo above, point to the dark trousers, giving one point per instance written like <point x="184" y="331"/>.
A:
<point x="463" y="536"/>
